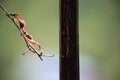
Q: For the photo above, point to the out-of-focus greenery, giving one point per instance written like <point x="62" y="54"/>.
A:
<point x="42" y="22"/>
<point x="99" y="32"/>
<point x="100" y="35"/>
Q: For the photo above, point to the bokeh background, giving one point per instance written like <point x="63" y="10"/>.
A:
<point x="100" y="36"/>
<point x="99" y="40"/>
<point x="42" y="22"/>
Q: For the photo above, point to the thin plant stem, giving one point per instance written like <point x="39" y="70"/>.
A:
<point x="28" y="44"/>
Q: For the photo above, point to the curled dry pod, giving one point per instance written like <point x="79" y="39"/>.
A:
<point x="22" y="24"/>
<point x="19" y="19"/>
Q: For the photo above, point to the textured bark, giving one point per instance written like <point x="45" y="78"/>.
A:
<point x="69" y="40"/>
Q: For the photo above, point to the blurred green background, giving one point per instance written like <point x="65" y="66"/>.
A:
<point x="99" y="36"/>
<point x="42" y="22"/>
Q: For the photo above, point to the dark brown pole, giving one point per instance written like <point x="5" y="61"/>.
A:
<point x="69" y="40"/>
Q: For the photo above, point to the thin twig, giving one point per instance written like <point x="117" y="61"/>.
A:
<point x="29" y="45"/>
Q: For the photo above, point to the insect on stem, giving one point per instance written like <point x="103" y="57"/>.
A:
<point x="27" y="37"/>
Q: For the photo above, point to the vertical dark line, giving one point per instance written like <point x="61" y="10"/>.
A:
<point x="69" y="40"/>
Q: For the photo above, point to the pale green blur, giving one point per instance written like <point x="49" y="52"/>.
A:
<point x="99" y="34"/>
<point x="42" y="22"/>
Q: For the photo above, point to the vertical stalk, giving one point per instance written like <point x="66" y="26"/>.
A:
<point x="69" y="40"/>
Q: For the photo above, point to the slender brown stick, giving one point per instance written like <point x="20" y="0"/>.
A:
<point x="29" y="45"/>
